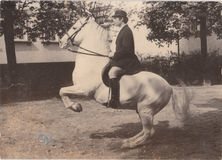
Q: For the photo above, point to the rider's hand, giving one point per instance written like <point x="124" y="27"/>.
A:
<point x="111" y="55"/>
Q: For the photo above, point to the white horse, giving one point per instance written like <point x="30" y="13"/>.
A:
<point x="145" y="92"/>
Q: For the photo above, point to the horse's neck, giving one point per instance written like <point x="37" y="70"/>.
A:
<point x="87" y="72"/>
<point x="95" y="63"/>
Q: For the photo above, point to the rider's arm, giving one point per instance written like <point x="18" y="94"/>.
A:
<point x="126" y="46"/>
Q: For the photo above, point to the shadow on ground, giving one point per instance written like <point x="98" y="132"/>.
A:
<point x="20" y="94"/>
<point x="200" y="138"/>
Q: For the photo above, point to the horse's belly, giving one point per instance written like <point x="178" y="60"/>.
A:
<point x="130" y="87"/>
<point x="144" y="87"/>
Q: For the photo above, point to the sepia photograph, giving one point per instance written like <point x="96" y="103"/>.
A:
<point x="110" y="79"/>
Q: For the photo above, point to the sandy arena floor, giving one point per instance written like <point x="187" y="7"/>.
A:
<point x="45" y="129"/>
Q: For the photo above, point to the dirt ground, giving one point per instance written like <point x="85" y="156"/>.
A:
<point x="45" y="129"/>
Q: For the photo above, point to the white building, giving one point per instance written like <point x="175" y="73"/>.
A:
<point x="36" y="52"/>
<point x="193" y="44"/>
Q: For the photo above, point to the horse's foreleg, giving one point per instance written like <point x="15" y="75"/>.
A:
<point x="71" y="90"/>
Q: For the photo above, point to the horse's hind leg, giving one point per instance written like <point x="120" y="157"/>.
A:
<point x="146" y="116"/>
<point x="127" y="141"/>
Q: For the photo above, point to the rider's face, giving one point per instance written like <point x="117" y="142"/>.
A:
<point x="117" y="21"/>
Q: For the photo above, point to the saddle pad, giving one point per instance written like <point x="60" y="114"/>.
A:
<point x="105" y="76"/>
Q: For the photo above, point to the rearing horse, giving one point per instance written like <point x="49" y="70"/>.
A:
<point x="145" y="92"/>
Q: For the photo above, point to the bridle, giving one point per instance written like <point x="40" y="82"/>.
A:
<point x="71" y="39"/>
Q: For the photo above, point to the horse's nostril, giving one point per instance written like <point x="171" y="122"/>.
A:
<point x="60" y="43"/>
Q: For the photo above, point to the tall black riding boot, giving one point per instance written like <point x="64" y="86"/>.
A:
<point x="114" y="84"/>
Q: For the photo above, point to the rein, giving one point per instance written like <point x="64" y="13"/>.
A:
<point x="94" y="53"/>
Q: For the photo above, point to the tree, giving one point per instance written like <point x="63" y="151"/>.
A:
<point x="8" y="12"/>
<point x="45" y="19"/>
<point x="41" y="19"/>
<point x="15" y="19"/>
<point x="171" y="21"/>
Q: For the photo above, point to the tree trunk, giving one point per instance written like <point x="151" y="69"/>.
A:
<point x="178" y="47"/>
<point x="203" y="36"/>
<point x="9" y="8"/>
<point x="203" y="41"/>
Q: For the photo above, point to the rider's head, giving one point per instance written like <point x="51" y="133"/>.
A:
<point x="120" y="17"/>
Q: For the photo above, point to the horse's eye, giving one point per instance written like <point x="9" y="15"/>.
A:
<point x="74" y="28"/>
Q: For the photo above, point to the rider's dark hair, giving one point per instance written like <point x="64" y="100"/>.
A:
<point x="125" y="19"/>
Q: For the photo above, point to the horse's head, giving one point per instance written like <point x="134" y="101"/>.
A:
<point x="75" y="34"/>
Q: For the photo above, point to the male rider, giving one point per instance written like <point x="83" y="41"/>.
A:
<point x="123" y="59"/>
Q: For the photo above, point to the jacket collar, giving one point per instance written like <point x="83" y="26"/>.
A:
<point x="122" y="27"/>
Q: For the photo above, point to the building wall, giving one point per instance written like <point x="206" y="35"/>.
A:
<point x="193" y="44"/>
<point x="40" y="70"/>
<point x="36" y="52"/>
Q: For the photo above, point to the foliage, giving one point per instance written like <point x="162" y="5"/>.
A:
<point x="186" y="67"/>
<point x="170" y="21"/>
<point x="45" y="19"/>
<point x="54" y="18"/>
<point x="158" y="64"/>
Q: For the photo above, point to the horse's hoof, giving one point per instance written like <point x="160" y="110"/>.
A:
<point x="77" y="107"/>
<point x="126" y="145"/>
<point x="125" y="141"/>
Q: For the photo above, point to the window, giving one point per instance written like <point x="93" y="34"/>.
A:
<point x="21" y="38"/>
<point x="195" y="28"/>
<point x="20" y="35"/>
<point x="53" y="39"/>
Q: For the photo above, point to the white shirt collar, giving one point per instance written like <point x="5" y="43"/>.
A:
<point x="122" y="27"/>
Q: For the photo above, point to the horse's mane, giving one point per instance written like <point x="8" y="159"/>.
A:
<point x="101" y="36"/>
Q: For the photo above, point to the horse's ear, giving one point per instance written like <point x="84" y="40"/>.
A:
<point x="105" y="25"/>
<point x="91" y="18"/>
<point x="78" y="16"/>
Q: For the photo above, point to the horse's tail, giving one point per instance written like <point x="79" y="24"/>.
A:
<point x="181" y="104"/>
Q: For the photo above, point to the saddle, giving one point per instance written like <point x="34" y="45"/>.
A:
<point x="105" y="76"/>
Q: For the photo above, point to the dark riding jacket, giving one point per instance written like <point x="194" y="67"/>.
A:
<point x="124" y="56"/>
